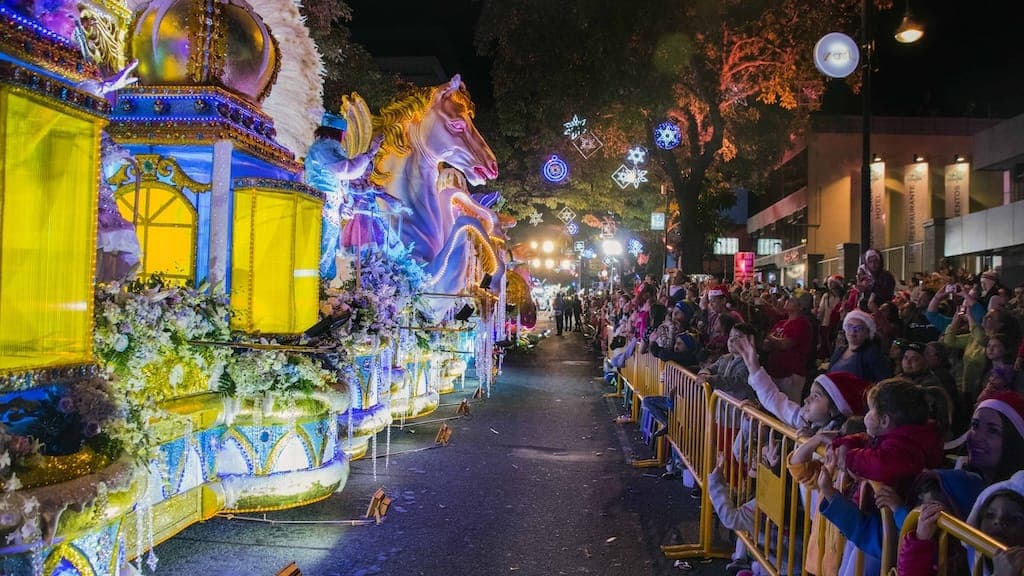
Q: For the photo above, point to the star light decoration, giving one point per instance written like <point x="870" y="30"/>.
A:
<point x="587" y="144"/>
<point x="566" y="215"/>
<point x="535" y="217"/>
<point x="636" y="155"/>
<point x="634" y="247"/>
<point x="555" y="170"/>
<point x="667" y="135"/>
<point x="625" y="176"/>
<point x="576" y="127"/>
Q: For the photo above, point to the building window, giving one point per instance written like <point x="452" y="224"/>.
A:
<point x="768" y="246"/>
<point x="727" y="245"/>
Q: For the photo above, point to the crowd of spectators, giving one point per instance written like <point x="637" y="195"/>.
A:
<point x="912" y="386"/>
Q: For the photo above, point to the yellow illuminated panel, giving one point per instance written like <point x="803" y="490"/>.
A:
<point x="48" y="192"/>
<point x="166" y="226"/>
<point x="276" y="249"/>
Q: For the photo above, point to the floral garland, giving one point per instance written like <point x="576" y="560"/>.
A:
<point x="388" y="285"/>
<point x="143" y="334"/>
<point x="256" y="372"/>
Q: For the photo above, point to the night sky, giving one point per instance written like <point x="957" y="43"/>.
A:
<point x="970" y="61"/>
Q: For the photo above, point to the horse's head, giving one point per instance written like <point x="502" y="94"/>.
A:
<point x="448" y="133"/>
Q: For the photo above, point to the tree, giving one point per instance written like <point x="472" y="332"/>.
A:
<point x="736" y="76"/>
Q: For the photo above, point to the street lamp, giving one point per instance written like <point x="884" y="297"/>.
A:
<point x="611" y="248"/>
<point x="909" y="31"/>
<point x="547" y="247"/>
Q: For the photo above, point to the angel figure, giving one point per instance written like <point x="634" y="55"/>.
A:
<point x="117" y="245"/>
<point x="342" y="151"/>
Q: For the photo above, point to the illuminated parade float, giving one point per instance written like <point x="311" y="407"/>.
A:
<point x="214" y="295"/>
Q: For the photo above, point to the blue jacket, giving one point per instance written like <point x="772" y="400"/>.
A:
<point x="960" y="489"/>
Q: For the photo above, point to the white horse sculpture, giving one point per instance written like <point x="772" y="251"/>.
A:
<point x="428" y="129"/>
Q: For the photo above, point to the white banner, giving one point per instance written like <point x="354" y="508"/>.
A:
<point x="919" y="208"/>
<point x="878" y="207"/>
<point x="958" y="189"/>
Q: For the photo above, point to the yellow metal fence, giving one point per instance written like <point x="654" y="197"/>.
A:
<point x="704" y="424"/>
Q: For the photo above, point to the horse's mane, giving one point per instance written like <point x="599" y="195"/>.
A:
<point x="395" y="117"/>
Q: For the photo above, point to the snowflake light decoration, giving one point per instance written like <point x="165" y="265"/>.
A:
<point x="667" y="135"/>
<point x="555" y="169"/>
<point x="587" y="144"/>
<point x="636" y="156"/>
<point x="576" y="127"/>
<point x="535" y="217"/>
<point x="566" y="215"/>
<point x="634" y="247"/>
<point x="588" y="253"/>
<point x="625" y="176"/>
<point x="572" y="228"/>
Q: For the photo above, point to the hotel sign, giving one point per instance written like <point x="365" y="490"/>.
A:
<point x="878" y="199"/>
<point x="958" y="179"/>
<point x="918" y="206"/>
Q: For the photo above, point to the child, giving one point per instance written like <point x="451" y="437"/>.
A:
<point x="953" y="491"/>
<point x="805" y="470"/>
<point x="899" y="443"/>
<point x="999" y="512"/>
<point x="834" y="396"/>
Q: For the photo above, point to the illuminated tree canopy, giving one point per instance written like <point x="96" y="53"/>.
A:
<point x="736" y="76"/>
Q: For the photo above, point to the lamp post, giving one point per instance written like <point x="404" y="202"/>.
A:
<point x="611" y="248"/>
<point x="908" y="32"/>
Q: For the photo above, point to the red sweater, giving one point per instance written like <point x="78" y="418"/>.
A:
<point x="894" y="458"/>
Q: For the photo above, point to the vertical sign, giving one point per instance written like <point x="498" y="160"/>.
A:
<point x="918" y="208"/>
<point x="958" y="187"/>
<point x="743" y="266"/>
<point x="657" y="220"/>
<point x="878" y="211"/>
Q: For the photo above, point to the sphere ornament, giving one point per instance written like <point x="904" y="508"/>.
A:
<point x="205" y="42"/>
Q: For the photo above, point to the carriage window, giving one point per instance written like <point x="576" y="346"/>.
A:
<point x="48" y="195"/>
<point x="166" y="226"/>
<point x="275" y="261"/>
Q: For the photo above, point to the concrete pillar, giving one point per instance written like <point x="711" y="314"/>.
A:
<point x="849" y="259"/>
<point x="220" y="214"/>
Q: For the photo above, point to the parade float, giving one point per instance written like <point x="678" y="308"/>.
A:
<point x="244" y="291"/>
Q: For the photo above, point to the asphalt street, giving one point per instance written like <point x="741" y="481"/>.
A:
<point x="535" y="481"/>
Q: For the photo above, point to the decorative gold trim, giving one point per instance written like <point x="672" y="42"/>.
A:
<point x="73" y="555"/>
<point x="28" y="41"/>
<point x="60" y="95"/>
<point x="124" y="131"/>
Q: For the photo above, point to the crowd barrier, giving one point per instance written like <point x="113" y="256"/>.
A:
<point x="950" y="528"/>
<point x="703" y="424"/>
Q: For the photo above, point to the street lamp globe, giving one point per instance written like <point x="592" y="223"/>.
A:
<point x="910" y="30"/>
<point x="549" y="263"/>
<point x="611" y="247"/>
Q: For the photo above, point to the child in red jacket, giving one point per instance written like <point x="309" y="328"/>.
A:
<point x="900" y="441"/>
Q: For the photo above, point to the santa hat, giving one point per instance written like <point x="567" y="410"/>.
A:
<point x="720" y="290"/>
<point x="846" y="391"/>
<point x="1009" y="404"/>
<point x="864" y="317"/>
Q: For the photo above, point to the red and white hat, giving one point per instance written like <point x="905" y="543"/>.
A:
<point x="1010" y="404"/>
<point x="846" y="390"/>
<point x="720" y="290"/>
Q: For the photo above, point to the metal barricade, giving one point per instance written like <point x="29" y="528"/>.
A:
<point x="759" y="446"/>
<point x="689" y="431"/>
<point x="949" y="527"/>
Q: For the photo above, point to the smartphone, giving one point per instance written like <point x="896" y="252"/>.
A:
<point x="951" y="288"/>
